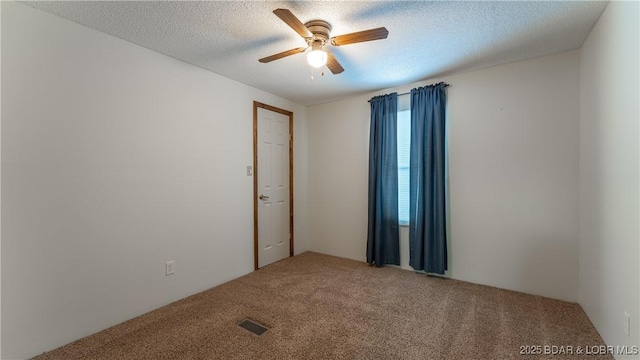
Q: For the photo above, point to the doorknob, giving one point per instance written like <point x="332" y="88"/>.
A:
<point x="263" y="197"/>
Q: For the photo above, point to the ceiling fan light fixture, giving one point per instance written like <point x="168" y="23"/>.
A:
<point x="317" y="58"/>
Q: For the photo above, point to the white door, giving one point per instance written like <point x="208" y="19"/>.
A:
<point x="272" y="186"/>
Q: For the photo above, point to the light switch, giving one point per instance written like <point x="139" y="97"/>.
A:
<point x="249" y="170"/>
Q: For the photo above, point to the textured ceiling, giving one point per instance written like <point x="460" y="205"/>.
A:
<point x="426" y="39"/>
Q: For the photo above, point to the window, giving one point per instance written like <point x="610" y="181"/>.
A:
<point x="404" y="141"/>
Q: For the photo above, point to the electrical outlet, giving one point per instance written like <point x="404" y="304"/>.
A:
<point x="627" y="323"/>
<point x="170" y="267"/>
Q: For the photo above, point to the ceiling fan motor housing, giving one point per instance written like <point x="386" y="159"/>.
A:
<point x="320" y="29"/>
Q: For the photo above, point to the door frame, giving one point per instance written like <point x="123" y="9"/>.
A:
<point x="257" y="105"/>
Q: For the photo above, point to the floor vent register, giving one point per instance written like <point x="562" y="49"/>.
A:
<point x="252" y="326"/>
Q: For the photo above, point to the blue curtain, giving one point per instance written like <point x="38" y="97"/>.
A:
<point x="427" y="186"/>
<point x="383" y="245"/>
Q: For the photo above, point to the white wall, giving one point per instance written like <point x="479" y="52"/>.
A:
<point x="0" y="182"/>
<point x="513" y="176"/>
<point x="116" y="159"/>
<point x="609" y="163"/>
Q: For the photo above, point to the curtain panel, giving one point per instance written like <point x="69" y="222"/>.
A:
<point x="427" y="182"/>
<point x="383" y="244"/>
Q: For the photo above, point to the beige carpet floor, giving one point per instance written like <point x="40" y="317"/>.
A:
<point x="323" y="307"/>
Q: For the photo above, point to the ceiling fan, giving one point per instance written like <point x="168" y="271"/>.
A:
<point x="317" y="34"/>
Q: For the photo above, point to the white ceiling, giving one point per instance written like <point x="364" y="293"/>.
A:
<point x="426" y="39"/>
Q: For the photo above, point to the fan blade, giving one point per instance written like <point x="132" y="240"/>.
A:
<point x="360" y="36"/>
<point x="291" y="20"/>
<point x="282" y="54"/>
<point x="333" y="64"/>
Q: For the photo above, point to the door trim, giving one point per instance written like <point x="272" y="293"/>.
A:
<point x="257" y="105"/>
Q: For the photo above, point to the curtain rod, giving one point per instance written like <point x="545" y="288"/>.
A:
<point x="409" y="92"/>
